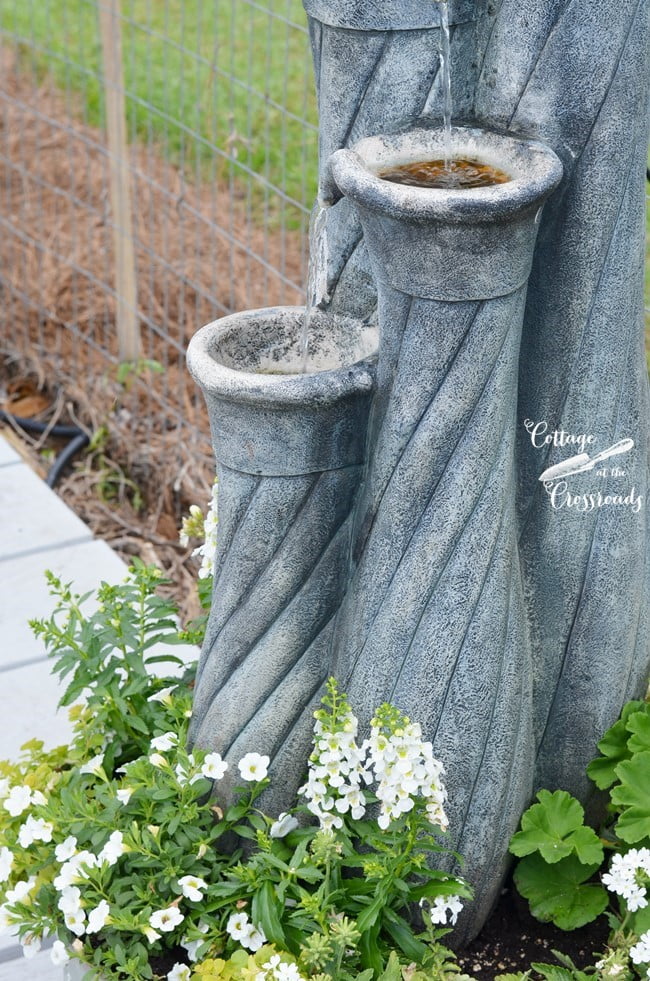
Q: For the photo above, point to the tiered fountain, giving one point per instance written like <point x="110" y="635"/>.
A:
<point x="381" y="516"/>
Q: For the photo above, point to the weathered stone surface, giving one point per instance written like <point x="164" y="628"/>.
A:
<point x="377" y="69"/>
<point x="577" y="76"/>
<point x="290" y="451"/>
<point x="434" y="617"/>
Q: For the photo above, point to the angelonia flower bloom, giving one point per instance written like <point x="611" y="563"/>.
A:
<point x="195" y="526"/>
<point x="628" y="876"/>
<point x="441" y="906"/>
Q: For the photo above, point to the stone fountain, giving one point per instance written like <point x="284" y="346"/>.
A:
<point x="382" y="516"/>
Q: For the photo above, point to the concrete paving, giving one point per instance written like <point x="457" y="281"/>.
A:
<point x="37" y="532"/>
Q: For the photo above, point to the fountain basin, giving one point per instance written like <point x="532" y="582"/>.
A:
<point x="416" y="245"/>
<point x="290" y="452"/>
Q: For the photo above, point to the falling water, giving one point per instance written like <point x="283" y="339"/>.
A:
<point x="316" y="276"/>
<point x="445" y="68"/>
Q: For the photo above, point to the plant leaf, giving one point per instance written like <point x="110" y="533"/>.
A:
<point x="555" y="828"/>
<point x="558" y="893"/>
<point x="633" y="796"/>
<point x="614" y="749"/>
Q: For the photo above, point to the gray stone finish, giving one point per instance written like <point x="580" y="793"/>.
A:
<point x="290" y="452"/>
<point x="434" y="617"/>
<point x="576" y="75"/>
<point x="377" y="69"/>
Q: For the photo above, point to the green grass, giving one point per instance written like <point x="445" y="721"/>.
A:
<point x="177" y="57"/>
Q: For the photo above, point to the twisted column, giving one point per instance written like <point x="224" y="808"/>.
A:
<point x="290" y="452"/>
<point x="377" y="67"/>
<point x="577" y="74"/>
<point x="434" y="617"/>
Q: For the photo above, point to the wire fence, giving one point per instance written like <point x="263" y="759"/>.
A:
<point x="157" y="170"/>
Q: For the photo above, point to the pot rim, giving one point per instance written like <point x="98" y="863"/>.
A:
<point x="275" y="391"/>
<point x="535" y="171"/>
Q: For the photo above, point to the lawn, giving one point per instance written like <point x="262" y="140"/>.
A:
<point x="207" y="81"/>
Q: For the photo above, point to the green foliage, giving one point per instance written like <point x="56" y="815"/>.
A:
<point x="555" y="828"/>
<point x="562" y="894"/>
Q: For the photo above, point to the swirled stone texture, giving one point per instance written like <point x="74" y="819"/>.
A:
<point x="377" y="67"/>
<point x="290" y="453"/>
<point x="434" y="617"/>
<point x="576" y="74"/>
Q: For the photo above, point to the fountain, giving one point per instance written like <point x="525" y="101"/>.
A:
<point x="387" y="522"/>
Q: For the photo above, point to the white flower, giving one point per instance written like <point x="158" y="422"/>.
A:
<point x="238" y="926"/>
<point x="20" y="891"/>
<point x="442" y="905"/>
<point x="66" y="849"/>
<point x="113" y="848"/>
<point x="166" y="920"/>
<point x="75" y="869"/>
<point x="34" y="829"/>
<point x="70" y="900"/>
<point x="254" y="939"/>
<point x="192" y="946"/>
<point x="163" y="696"/>
<point x="75" y="921"/>
<point x="164" y="742"/>
<point x="59" y="954"/>
<point x="124" y="794"/>
<point x="213" y="767"/>
<point x="179" y="972"/>
<point x="192" y="886"/>
<point x="93" y="766"/>
<point x="287" y="972"/>
<point x="151" y="934"/>
<point x="253" y="767"/>
<point x="38" y="798"/>
<point x="98" y="917"/>
<point x="284" y="824"/>
<point x="6" y="863"/>
<point x="157" y="760"/>
<point x="31" y="946"/>
<point x="640" y="953"/>
<point x="4" y="787"/>
<point x="18" y="800"/>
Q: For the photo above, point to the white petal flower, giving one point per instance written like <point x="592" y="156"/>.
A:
<point x="288" y="972"/>
<point x="34" y="829"/>
<point x="124" y="794"/>
<point x="164" y="742"/>
<point x="640" y="953"/>
<point x="66" y="849"/>
<point x="59" y="954"/>
<point x="213" y="767"/>
<point x="156" y="759"/>
<point x="6" y="863"/>
<point x="163" y="696"/>
<point x="38" y="798"/>
<point x="31" y="946"/>
<point x="18" y="800"/>
<point x="4" y="787"/>
<point x="283" y="826"/>
<point x="179" y="972"/>
<point x="253" y="767"/>
<point x="20" y="891"/>
<point x="98" y="917"/>
<point x="113" y="848"/>
<point x="192" y="886"/>
<point x="253" y="939"/>
<point x="93" y="766"/>
<point x="151" y="934"/>
<point x="70" y="900"/>
<point x="166" y="920"/>
<point x="76" y="922"/>
<point x="238" y="926"/>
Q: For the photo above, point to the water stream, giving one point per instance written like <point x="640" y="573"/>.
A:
<point x="445" y="69"/>
<point x="316" y="276"/>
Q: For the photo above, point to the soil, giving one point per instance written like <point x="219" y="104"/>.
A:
<point x="512" y="940"/>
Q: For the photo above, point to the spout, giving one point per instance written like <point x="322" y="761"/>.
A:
<point x="329" y="192"/>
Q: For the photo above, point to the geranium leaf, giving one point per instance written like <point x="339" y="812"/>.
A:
<point x="639" y="726"/>
<point x="633" y="796"/>
<point x="614" y="749"/>
<point x="559" y="893"/>
<point x="549" y="828"/>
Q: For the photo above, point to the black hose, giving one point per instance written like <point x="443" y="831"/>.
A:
<point x="78" y="439"/>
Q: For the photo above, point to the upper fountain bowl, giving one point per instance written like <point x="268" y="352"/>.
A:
<point x="419" y="244"/>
